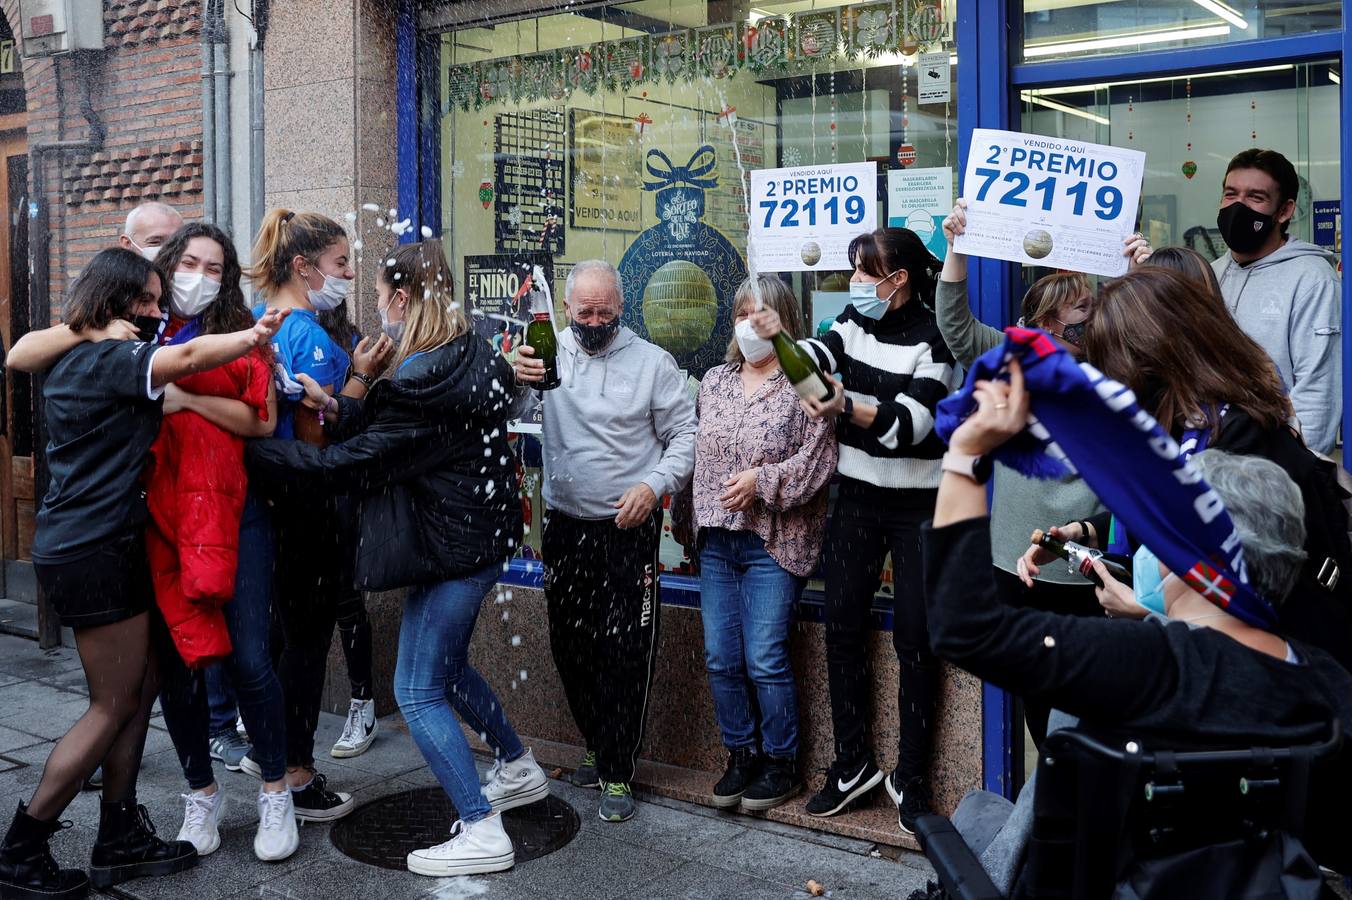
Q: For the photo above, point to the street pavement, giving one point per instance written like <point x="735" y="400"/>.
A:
<point x="670" y="850"/>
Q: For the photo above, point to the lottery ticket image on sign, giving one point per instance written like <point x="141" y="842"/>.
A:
<point x="803" y="218"/>
<point x="1050" y="202"/>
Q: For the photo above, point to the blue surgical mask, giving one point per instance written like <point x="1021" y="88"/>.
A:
<point x="864" y="297"/>
<point x="1146" y="580"/>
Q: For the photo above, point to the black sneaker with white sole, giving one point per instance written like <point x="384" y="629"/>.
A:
<point x="777" y="782"/>
<point x="911" y="796"/>
<point x="744" y="765"/>
<point x="845" y="783"/>
<point x="316" y="803"/>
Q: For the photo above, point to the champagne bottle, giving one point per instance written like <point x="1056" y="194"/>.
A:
<point x="540" y="331"/>
<point x="802" y="370"/>
<point x="1081" y="558"/>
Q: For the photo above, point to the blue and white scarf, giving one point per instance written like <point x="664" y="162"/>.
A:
<point x="1083" y="422"/>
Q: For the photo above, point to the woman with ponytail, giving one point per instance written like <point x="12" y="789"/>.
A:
<point x="427" y="454"/>
<point x="301" y="262"/>
<point x="893" y="368"/>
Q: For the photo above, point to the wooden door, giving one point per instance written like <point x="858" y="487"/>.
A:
<point x="17" y="506"/>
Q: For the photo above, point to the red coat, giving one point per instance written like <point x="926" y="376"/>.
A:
<point x="195" y="491"/>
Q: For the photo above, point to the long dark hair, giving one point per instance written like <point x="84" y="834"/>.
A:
<point x="228" y="312"/>
<point x="109" y="288"/>
<point x="884" y="251"/>
<point x="1179" y="357"/>
<point x="340" y="328"/>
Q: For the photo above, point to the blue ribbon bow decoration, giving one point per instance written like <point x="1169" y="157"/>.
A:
<point x="693" y="173"/>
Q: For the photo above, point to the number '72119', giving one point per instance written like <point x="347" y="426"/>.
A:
<point x="1107" y="199"/>
<point x="791" y="210"/>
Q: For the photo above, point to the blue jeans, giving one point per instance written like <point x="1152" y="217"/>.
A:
<point x="184" y="695"/>
<point x="746" y="600"/>
<point x="220" y="700"/>
<point x="433" y="675"/>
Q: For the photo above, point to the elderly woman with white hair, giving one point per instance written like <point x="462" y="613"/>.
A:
<point x="1200" y="673"/>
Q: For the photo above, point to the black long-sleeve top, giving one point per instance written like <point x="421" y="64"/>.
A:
<point x="1172" y="683"/>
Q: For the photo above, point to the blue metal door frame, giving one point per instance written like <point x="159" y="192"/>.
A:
<point x="988" y="35"/>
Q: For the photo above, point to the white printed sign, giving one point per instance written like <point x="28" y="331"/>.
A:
<point x="934" y="83"/>
<point x="1050" y="202"/>
<point x="920" y="199"/>
<point x="803" y="218"/>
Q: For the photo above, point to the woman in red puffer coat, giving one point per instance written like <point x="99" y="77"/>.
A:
<point x="210" y="545"/>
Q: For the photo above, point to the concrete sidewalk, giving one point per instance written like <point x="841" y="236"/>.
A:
<point x="670" y="850"/>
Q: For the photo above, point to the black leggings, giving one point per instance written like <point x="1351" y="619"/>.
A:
<point x="355" y="630"/>
<point x="122" y="672"/>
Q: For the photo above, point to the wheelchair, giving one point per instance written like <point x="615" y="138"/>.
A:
<point x="1114" y="819"/>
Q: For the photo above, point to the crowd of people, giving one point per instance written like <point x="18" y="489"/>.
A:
<point x="226" y="482"/>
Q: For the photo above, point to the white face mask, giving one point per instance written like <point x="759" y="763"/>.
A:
<point x="148" y="252"/>
<point x="192" y="293"/>
<point x="755" y="349"/>
<point x="333" y="292"/>
<point x="393" y="330"/>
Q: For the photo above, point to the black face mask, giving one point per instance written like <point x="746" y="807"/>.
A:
<point x="1073" y="334"/>
<point x="1244" y="229"/>
<point x="148" y="328"/>
<point x="595" y="338"/>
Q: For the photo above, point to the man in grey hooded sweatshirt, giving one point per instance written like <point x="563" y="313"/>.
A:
<point x="1284" y="293"/>
<point x="618" y="435"/>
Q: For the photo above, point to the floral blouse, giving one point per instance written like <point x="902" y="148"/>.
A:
<point x="794" y="453"/>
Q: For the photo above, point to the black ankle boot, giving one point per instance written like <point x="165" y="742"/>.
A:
<point x="128" y="848"/>
<point x="27" y="870"/>
<point x="743" y="766"/>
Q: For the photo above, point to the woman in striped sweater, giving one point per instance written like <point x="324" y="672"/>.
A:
<point x="893" y="368"/>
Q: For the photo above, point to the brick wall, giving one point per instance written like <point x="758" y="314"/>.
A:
<point x="147" y="89"/>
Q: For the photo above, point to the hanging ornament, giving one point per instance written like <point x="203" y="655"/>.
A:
<point x="1131" y="107"/>
<point x="1253" y="119"/>
<point x="906" y="154"/>
<point x="727" y="116"/>
<point x="642" y="121"/>
<point x="486" y="193"/>
<point x="1189" y="167"/>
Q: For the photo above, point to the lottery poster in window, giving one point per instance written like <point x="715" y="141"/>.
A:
<point x="1050" y="202"/>
<point x="804" y="217"/>
<point x="492" y="284"/>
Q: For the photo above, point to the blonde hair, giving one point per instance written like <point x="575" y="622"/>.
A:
<point x="433" y="318"/>
<point x="282" y="237"/>
<point x="1049" y="293"/>
<point x="776" y="295"/>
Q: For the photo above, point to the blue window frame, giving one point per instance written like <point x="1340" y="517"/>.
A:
<point x="986" y="32"/>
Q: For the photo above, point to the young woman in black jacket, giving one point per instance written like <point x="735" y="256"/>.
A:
<point x="1211" y="385"/>
<point x="426" y="452"/>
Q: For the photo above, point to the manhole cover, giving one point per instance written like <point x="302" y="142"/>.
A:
<point x="383" y="832"/>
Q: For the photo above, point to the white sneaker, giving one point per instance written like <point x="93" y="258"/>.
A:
<point x="201" y="820"/>
<point x="359" y="731"/>
<point x="472" y="850"/>
<point x="515" y="783"/>
<point x="240" y="729"/>
<point x="249" y="767"/>
<point x="277" y="836"/>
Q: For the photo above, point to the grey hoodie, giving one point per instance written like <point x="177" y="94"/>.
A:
<point x="1290" y="302"/>
<point x="619" y="418"/>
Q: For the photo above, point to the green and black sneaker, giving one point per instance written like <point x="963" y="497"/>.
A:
<point x="617" y="802"/>
<point x="584" y="776"/>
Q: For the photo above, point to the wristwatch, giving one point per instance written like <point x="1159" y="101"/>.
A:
<point x="977" y="468"/>
<point x="363" y="378"/>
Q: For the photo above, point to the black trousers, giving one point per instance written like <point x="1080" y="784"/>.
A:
<point x="314" y="580"/>
<point x="604" y="600"/>
<point x="1048" y="596"/>
<point x="865" y="525"/>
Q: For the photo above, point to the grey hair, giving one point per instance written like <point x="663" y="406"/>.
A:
<point x="149" y="206"/>
<point x="594" y="265"/>
<point x="1269" y="516"/>
<point x="776" y="295"/>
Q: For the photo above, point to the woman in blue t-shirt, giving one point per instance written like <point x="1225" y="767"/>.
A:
<point x="301" y="263"/>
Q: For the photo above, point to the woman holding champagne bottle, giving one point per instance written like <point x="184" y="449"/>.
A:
<point x="891" y="368"/>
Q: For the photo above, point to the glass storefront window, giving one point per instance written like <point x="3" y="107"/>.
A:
<point x="1062" y="29"/>
<point x="626" y="132"/>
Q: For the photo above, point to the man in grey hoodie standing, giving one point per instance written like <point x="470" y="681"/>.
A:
<point x="619" y="434"/>
<point x="1284" y="293"/>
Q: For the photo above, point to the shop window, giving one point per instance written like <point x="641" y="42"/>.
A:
<point x="627" y="133"/>
<point x="1061" y="29"/>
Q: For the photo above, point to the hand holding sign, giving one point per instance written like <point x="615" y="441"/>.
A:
<point x="1045" y="201"/>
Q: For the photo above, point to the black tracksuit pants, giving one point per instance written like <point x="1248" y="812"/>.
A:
<point x="603" y="597"/>
<point x="867" y="523"/>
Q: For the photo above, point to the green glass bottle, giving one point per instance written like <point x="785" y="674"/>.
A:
<point x="802" y="370"/>
<point x="1081" y="558"/>
<point x="540" y="332"/>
